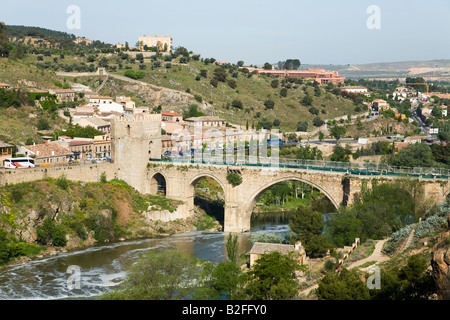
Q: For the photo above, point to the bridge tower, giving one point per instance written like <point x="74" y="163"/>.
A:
<point x="134" y="141"/>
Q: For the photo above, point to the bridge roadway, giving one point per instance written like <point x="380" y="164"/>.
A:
<point x="339" y="182"/>
<point x="369" y="169"/>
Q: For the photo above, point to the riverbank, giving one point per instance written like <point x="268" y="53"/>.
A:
<point x="48" y="217"/>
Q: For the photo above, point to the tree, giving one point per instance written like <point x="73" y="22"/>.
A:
<point x="308" y="226"/>
<point x="307" y="100"/>
<point x="273" y="277"/>
<point x="227" y="280"/>
<point x="337" y="132"/>
<point x="232" y="248"/>
<point x="410" y="282"/>
<point x="220" y="74"/>
<point x="318" y="122"/>
<point x="267" y="66"/>
<point x="321" y="136"/>
<point x="302" y="126"/>
<point x="165" y="275"/>
<point x="5" y="47"/>
<point x="269" y="104"/>
<point x="414" y="155"/>
<point x="343" y="286"/>
<point x="340" y="154"/>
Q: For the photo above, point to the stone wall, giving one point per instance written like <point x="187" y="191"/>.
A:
<point x="86" y="173"/>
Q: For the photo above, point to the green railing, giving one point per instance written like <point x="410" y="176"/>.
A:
<point x="330" y="166"/>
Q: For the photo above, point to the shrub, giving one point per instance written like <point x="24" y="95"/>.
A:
<point x="134" y="74"/>
<point x="234" y="178"/>
<point x="62" y="182"/>
<point x="50" y="233"/>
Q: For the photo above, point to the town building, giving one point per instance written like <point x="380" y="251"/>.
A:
<point x="64" y="94"/>
<point x="126" y="102"/>
<point x="47" y="153"/>
<point x="172" y="116"/>
<point x="106" y="105"/>
<point x="84" y="111"/>
<point x="205" y="121"/>
<point x="259" y="249"/>
<point x="97" y="123"/>
<point x="356" y="89"/>
<point x="78" y="87"/>
<point x="5" y="86"/>
<point x="379" y="105"/>
<point x="319" y="75"/>
<point x="163" y="44"/>
<point x="6" y="151"/>
<point x="83" y="40"/>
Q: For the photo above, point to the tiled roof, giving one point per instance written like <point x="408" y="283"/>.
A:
<point x="262" y="248"/>
<point x="48" y="150"/>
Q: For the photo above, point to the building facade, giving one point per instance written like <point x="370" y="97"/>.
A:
<point x="163" y="44"/>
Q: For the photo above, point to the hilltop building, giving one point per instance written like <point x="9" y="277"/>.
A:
<point x="163" y="44"/>
<point x="319" y="75"/>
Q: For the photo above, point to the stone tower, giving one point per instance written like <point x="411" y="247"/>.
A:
<point x="134" y="142"/>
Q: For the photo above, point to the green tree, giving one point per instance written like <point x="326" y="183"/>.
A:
<point x="343" y="286"/>
<point x="227" y="280"/>
<point x="165" y="275"/>
<point x="337" y="132"/>
<point x="302" y="126"/>
<point x="308" y="226"/>
<point x="232" y="248"/>
<point x="410" y="282"/>
<point x="5" y="46"/>
<point x="273" y="277"/>
<point x="414" y="155"/>
<point x="269" y="104"/>
<point x="267" y="66"/>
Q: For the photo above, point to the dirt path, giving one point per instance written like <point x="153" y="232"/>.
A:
<point x="376" y="256"/>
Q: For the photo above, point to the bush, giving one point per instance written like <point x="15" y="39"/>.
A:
<point x="269" y="104"/>
<point x="134" y="74"/>
<point x="234" y="178"/>
<point x="50" y="233"/>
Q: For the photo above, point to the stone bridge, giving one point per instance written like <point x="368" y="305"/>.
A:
<point x="177" y="181"/>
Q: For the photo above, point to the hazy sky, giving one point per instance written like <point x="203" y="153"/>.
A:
<point x="258" y="31"/>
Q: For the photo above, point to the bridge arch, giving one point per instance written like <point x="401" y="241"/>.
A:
<point x="190" y="196"/>
<point x="158" y="183"/>
<point x="262" y="189"/>
<point x="247" y="214"/>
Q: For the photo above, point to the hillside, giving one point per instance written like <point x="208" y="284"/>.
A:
<point x="238" y="97"/>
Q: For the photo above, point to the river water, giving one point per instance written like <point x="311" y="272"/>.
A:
<point x="87" y="273"/>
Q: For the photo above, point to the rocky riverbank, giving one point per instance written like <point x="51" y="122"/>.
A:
<point x="48" y="217"/>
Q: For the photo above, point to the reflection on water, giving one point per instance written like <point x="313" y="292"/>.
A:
<point x="103" y="267"/>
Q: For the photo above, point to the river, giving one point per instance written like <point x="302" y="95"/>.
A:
<point x="102" y="268"/>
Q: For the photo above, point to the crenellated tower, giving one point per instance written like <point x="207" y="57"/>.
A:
<point x="135" y="141"/>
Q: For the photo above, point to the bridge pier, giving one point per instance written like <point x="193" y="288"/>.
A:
<point x="237" y="218"/>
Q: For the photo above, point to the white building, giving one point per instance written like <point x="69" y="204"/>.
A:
<point x="106" y="105"/>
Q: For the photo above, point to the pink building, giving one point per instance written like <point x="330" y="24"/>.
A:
<point x="319" y="75"/>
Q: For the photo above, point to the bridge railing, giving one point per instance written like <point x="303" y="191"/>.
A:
<point x="361" y="168"/>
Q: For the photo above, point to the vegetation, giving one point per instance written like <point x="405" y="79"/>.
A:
<point x="234" y="178"/>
